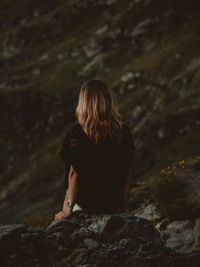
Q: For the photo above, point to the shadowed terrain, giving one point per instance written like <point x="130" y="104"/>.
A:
<point x="147" y="51"/>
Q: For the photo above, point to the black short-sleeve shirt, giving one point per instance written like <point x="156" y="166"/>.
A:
<point x="102" y="169"/>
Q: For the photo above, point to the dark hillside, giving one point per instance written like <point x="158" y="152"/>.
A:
<point x="147" y="51"/>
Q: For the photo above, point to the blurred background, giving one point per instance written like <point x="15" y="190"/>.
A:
<point x="148" y="52"/>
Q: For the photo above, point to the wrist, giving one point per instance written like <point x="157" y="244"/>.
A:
<point x="67" y="212"/>
<point x="67" y="209"/>
<point x="68" y="205"/>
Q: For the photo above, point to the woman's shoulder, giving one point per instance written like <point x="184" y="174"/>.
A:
<point x="128" y="136"/>
<point x="74" y="129"/>
<point x="126" y="129"/>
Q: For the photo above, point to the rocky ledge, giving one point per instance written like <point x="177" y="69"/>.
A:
<point x="90" y="240"/>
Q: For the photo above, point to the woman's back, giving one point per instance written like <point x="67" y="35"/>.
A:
<point x="102" y="168"/>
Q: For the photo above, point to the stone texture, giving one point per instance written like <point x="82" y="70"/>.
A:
<point x="89" y="240"/>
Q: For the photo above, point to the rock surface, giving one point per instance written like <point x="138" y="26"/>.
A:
<point x="149" y="55"/>
<point x="182" y="236"/>
<point x="89" y="240"/>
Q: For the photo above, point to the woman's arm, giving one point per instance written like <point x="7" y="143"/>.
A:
<point x="127" y="190"/>
<point x="71" y="193"/>
<point x="72" y="190"/>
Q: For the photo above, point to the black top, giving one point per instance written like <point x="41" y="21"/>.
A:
<point x="102" y="169"/>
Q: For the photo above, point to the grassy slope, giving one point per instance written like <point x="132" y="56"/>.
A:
<point x="49" y="62"/>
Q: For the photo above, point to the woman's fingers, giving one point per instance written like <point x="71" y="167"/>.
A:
<point x="57" y="216"/>
<point x="61" y="215"/>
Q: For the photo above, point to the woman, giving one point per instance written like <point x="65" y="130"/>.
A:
<point x="98" y="151"/>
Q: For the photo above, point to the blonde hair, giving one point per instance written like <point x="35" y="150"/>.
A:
<point x="97" y="111"/>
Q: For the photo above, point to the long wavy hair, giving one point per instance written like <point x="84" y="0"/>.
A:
<point x="97" y="111"/>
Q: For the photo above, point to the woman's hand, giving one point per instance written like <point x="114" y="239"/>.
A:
<point x="63" y="214"/>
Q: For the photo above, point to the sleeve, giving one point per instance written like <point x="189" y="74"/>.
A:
<point x="65" y="154"/>
<point x="65" y="148"/>
<point x="130" y="147"/>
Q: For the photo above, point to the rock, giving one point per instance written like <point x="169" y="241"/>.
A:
<point x="144" y="2"/>
<point x="94" y="64"/>
<point x="35" y="13"/>
<point x="142" y="122"/>
<point x="127" y="76"/>
<point x="98" y="225"/>
<point x="102" y="30"/>
<point x="110" y="2"/>
<point x="26" y="236"/>
<point x="90" y="243"/>
<point x="36" y="71"/>
<point x="75" y="53"/>
<point x="90" y="240"/>
<point x="11" y="227"/>
<point x="127" y="243"/>
<point x="63" y="56"/>
<point x="141" y="27"/>
<point x="44" y="57"/>
<point x="137" y="111"/>
<point x="194" y="64"/>
<point x="80" y="255"/>
<point x="62" y="224"/>
<point x="161" y="133"/>
<point x="149" y="212"/>
<point x="91" y="49"/>
<point x="137" y="74"/>
<point x="177" y="55"/>
<point x="81" y="233"/>
<point x="196" y="80"/>
<point x="148" y="46"/>
<point x="131" y="86"/>
<point x="183" y="236"/>
<point x="9" y="51"/>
